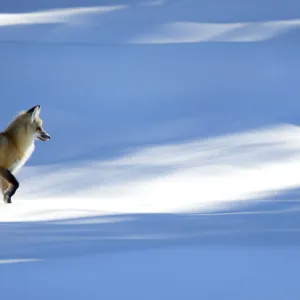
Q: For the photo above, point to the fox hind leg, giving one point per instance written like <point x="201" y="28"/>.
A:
<point x="9" y="184"/>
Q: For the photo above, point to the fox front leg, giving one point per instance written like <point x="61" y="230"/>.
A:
<point x="9" y="184"/>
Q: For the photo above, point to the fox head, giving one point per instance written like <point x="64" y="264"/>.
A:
<point x="34" y="125"/>
<point x="27" y="127"/>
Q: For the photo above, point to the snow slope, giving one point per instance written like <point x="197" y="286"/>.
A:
<point x="172" y="172"/>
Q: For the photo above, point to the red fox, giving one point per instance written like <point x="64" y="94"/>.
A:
<point x="16" y="147"/>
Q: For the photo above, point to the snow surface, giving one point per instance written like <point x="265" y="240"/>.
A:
<point x="172" y="172"/>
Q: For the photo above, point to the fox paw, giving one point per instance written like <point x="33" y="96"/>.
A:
<point x="7" y="199"/>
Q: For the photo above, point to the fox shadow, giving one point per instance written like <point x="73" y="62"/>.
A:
<point x="268" y="222"/>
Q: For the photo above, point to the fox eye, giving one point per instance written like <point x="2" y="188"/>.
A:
<point x="39" y="128"/>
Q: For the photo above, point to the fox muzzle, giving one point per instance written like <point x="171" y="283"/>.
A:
<point x="44" y="136"/>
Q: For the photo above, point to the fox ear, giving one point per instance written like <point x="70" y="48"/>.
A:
<point x="34" y="112"/>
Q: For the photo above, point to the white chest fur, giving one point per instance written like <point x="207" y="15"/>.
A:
<point x="18" y="163"/>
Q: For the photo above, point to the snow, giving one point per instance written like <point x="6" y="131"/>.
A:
<point x="187" y="273"/>
<point x="172" y="172"/>
<point x="191" y="32"/>
<point x="56" y="16"/>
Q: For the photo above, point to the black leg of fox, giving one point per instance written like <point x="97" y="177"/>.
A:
<point x="13" y="184"/>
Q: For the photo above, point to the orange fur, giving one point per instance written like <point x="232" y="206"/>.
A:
<point x="17" y="141"/>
